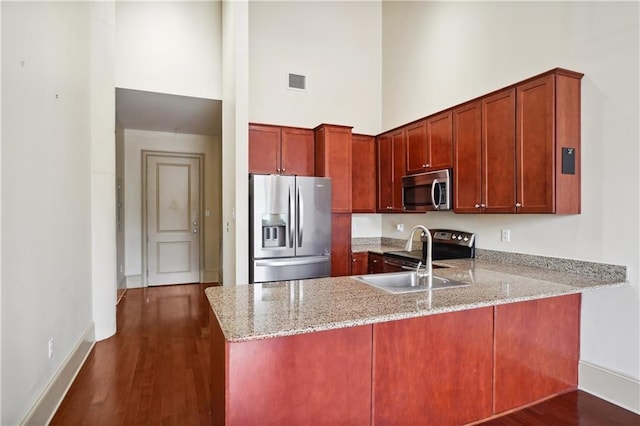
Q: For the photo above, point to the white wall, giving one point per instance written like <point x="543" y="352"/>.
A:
<point x="46" y="194"/>
<point x="172" y="47"/>
<point x="235" y="118"/>
<point x="337" y="45"/>
<point x="120" y="217"/>
<point x="135" y="142"/>
<point x="438" y="54"/>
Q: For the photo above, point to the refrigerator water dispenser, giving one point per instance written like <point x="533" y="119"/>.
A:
<point x="274" y="230"/>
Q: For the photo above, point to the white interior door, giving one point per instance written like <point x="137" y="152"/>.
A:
<point x="173" y="220"/>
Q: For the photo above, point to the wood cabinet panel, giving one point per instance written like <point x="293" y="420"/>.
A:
<point x="417" y="149"/>
<point x="433" y="370"/>
<point x="537" y="346"/>
<point x="385" y="173"/>
<point x="305" y="379"/>
<point x="282" y="150"/>
<point x="440" y="141"/>
<point x="399" y="168"/>
<point x="376" y="263"/>
<point x="264" y="149"/>
<point x="333" y="159"/>
<point x="359" y="263"/>
<point x="363" y="174"/>
<point x="498" y="152"/>
<point x="340" y="244"/>
<point x="467" y="169"/>
<point x="297" y="152"/>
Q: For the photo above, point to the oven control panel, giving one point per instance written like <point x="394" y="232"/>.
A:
<point x="447" y="236"/>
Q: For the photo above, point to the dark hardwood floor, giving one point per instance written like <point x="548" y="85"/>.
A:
<point x="155" y="371"/>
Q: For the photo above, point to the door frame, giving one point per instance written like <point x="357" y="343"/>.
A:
<point x="144" y="232"/>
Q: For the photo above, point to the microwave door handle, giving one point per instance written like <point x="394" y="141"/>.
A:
<point x="433" y="193"/>
<point x="300" y="215"/>
<point x="291" y="218"/>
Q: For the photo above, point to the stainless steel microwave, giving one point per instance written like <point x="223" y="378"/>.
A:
<point x="427" y="191"/>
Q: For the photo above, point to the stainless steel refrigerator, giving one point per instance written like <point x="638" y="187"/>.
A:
<point x="289" y="227"/>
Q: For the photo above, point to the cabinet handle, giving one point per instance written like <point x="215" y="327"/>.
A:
<point x="283" y="170"/>
<point x="483" y="205"/>
<point x="278" y="170"/>
<point x="518" y="205"/>
<point x="427" y="165"/>
<point x="477" y="206"/>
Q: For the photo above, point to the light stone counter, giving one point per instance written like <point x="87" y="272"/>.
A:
<point x="259" y="311"/>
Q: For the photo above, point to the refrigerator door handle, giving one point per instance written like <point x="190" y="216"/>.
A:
<point x="300" y="216"/>
<point x="292" y="261"/>
<point x="291" y="219"/>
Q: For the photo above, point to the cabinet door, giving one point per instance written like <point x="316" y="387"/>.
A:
<point x="467" y="174"/>
<point x="535" y="146"/>
<point x="417" y="158"/>
<point x="333" y="159"/>
<point x="433" y="370"/>
<point x="399" y="168"/>
<point x="376" y="263"/>
<point x="499" y="152"/>
<point x="359" y="263"/>
<point x="537" y="348"/>
<point x="340" y="244"/>
<point x="264" y="149"/>
<point x="363" y="174"/>
<point x="297" y="152"/>
<point x="385" y="172"/>
<point x="439" y="142"/>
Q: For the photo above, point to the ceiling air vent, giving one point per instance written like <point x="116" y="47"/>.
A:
<point x="297" y="81"/>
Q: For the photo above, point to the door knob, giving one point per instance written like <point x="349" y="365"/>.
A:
<point x="195" y="231"/>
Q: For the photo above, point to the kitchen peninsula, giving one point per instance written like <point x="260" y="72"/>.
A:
<point x="338" y="351"/>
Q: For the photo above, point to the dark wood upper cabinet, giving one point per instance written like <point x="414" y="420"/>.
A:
<point x="484" y="141"/>
<point x="467" y="167"/>
<point x="548" y="144"/>
<point x="417" y="150"/>
<point x="283" y="150"/>
<point x="429" y="144"/>
<point x="385" y="172"/>
<point x="399" y="168"/>
<point x="498" y="152"/>
<point x="391" y="148"/>
<point x="297" y="151"/>
<point x="528" y="136"/>
<point x="333" y="147"/>
<point x="440" y="141"/>
<point x="264" y="149"/>
<point x="363" y="174"/>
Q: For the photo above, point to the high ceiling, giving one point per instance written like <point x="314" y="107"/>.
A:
<point x="161" y="112"/>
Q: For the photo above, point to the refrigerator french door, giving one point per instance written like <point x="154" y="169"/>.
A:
<point x="289" y="227"/>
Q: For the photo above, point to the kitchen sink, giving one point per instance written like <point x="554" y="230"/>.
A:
<point x="406" y="282"/>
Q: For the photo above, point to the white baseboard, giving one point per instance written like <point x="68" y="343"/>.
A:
<point x="46" y="406"/>
<point x="609" y="385"/>
<point x="134" y="281"/>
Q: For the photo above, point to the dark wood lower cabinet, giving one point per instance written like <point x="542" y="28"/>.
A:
<point x="321" y="378"/>
<point x="340" y="244"/>
<point x="537" y="347"/>
<point x="434" y="370"/>
<point x="443" y="369"/>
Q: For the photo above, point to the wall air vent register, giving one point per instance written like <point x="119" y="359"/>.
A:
<point x="297" y="82"/>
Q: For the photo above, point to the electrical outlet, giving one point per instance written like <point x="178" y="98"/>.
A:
<point x="50" y="348"/>
<point x="400" y="227"/>
<point x="505" y="235"/>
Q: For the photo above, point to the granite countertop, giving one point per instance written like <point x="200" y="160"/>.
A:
<point x="259" y="311"/>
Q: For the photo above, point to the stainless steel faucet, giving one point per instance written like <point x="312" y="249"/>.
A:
<point x="409" y="246"/>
